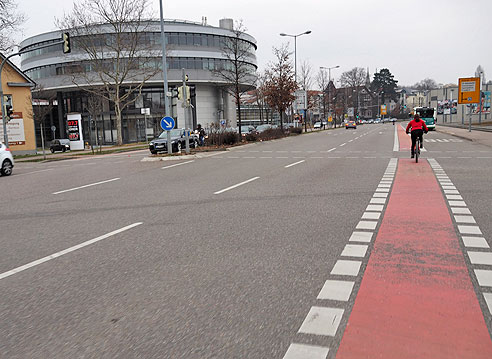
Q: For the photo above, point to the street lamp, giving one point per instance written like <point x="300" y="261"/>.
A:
<point x="295" y="49"/>
<point x="329" y="70"/>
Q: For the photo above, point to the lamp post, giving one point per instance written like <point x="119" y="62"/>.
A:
<point x="295" y="49"/>
<point x="329" y="70"/>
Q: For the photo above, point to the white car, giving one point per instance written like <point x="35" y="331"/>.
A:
<point x="6" y="160"/>
<point x="317" y="125"/>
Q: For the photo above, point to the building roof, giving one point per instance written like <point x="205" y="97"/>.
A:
<point x="19" y="71"/>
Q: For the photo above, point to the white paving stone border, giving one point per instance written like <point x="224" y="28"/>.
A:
<point x="476" y="246"/>
<point x="323" y="320"/>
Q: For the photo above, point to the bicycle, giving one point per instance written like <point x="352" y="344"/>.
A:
<point x="417" y="150"/>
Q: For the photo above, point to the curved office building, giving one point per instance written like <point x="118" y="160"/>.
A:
<point x="196" y="47"/>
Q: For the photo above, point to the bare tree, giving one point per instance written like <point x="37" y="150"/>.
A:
<point x="121" y="63"/>
<point x="305" y="78"/>
<point x="10" y="21"/>
<point x="354" y="79"/>
<point x="95" y="109"/>
<point x="238" y="71"/>
<point x="42" y="105"/>
<point x="426" y="84"/>
<point x="280" y="83"/>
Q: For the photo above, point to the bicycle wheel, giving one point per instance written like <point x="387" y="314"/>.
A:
<point x="417" y="151"/>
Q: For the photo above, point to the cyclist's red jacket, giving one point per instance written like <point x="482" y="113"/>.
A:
<point x="416" y="125"/>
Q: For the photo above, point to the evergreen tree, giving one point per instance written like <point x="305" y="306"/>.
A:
<point x="385" y="84"/>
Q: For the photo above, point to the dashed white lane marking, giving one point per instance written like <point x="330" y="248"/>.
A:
<point x="364" y="237"/>
<point x="480" y="257"/>
<point x="305" y="351"/>
<point x="325" y="320"/>
<point x="475" y="242"/>
<point x="236" y="185"/>
<point x="465" y="219"/>
<point x="471" y="235"/>
<point x="336" y="290"/>
<point x="322" y="321"/>
<point x="343" y="144"/>
<point x="484" y="277"/>
<point x="488" y="300"/>
<point x="367" y="225"/>
<point x="345" y="267"/>
<point x="469" y="229"/>
<point x="371" y="215"/>
<point x="179" y="164"/>
<point x="295" y="163"/>
<point x="87" y="185"/>
<point x="66" y="251"/>
<point x="354" y="250"/>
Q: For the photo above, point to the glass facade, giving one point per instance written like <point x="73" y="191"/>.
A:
<point x="173" y="63"/>
<point x="144" y="39"/>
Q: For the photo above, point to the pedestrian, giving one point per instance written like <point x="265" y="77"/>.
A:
<point x="201" y="134"/>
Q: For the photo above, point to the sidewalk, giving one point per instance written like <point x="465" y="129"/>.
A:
<point x="482" y="137"/>
<point x="84" y="153"/>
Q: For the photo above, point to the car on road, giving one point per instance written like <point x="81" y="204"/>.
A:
<point x="6" y="160"/>
<point x="317" y="125"/>
<point x="350" y="124"/>
<point x="61" y="144"/>
<point x="178" y="141"/>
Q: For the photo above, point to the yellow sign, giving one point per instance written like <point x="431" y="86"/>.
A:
<point x="383" y="110"/>
<point x="330" y="119"/>
<point x="469" y="90"/>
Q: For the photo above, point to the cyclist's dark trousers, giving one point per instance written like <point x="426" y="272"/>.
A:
<point x="415" y="134"/>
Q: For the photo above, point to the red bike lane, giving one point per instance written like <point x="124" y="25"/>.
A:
<point x="416" y="299"/>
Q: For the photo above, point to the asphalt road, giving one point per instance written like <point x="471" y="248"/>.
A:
<point x="226" y="256"/>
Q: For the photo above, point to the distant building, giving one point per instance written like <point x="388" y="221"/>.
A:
<point x="196" y="47"/>
<point x="20" y="129"/>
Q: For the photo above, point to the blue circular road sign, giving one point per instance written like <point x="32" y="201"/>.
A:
<point x="167" y="123"/>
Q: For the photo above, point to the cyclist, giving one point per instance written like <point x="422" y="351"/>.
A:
<point x="418" y="128"/>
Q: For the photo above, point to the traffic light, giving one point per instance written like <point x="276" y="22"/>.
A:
<point x="180" y="92"/>
<point x="66" y="43"/>
<point x="9" y="111"/>
<point x="188" y="95"/>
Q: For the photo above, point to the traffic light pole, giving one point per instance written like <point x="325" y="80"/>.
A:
<point x="4" y="117"/>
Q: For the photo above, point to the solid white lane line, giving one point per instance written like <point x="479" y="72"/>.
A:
<point x="396" y="143"/>
<point x="295" y="163"/>
<point x="179" y="164"/>
<point x="87" y="185"/>
<point x="236" y="185"/>
<point x="66" y="251"/>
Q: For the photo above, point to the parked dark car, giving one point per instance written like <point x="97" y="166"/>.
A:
<point x="59" y="145"/>
<point x="178" y="141"/>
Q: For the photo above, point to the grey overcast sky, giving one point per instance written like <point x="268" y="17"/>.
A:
<point x="415" y="39"/>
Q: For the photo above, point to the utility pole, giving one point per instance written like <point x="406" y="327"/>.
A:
<point x="185" y="108"/>
<point x="167" y="111"/>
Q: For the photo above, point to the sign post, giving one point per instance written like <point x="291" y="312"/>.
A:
<point x="145" y="111"/>
<point x="469" y="93"/>
<point x="167" y="124"/>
